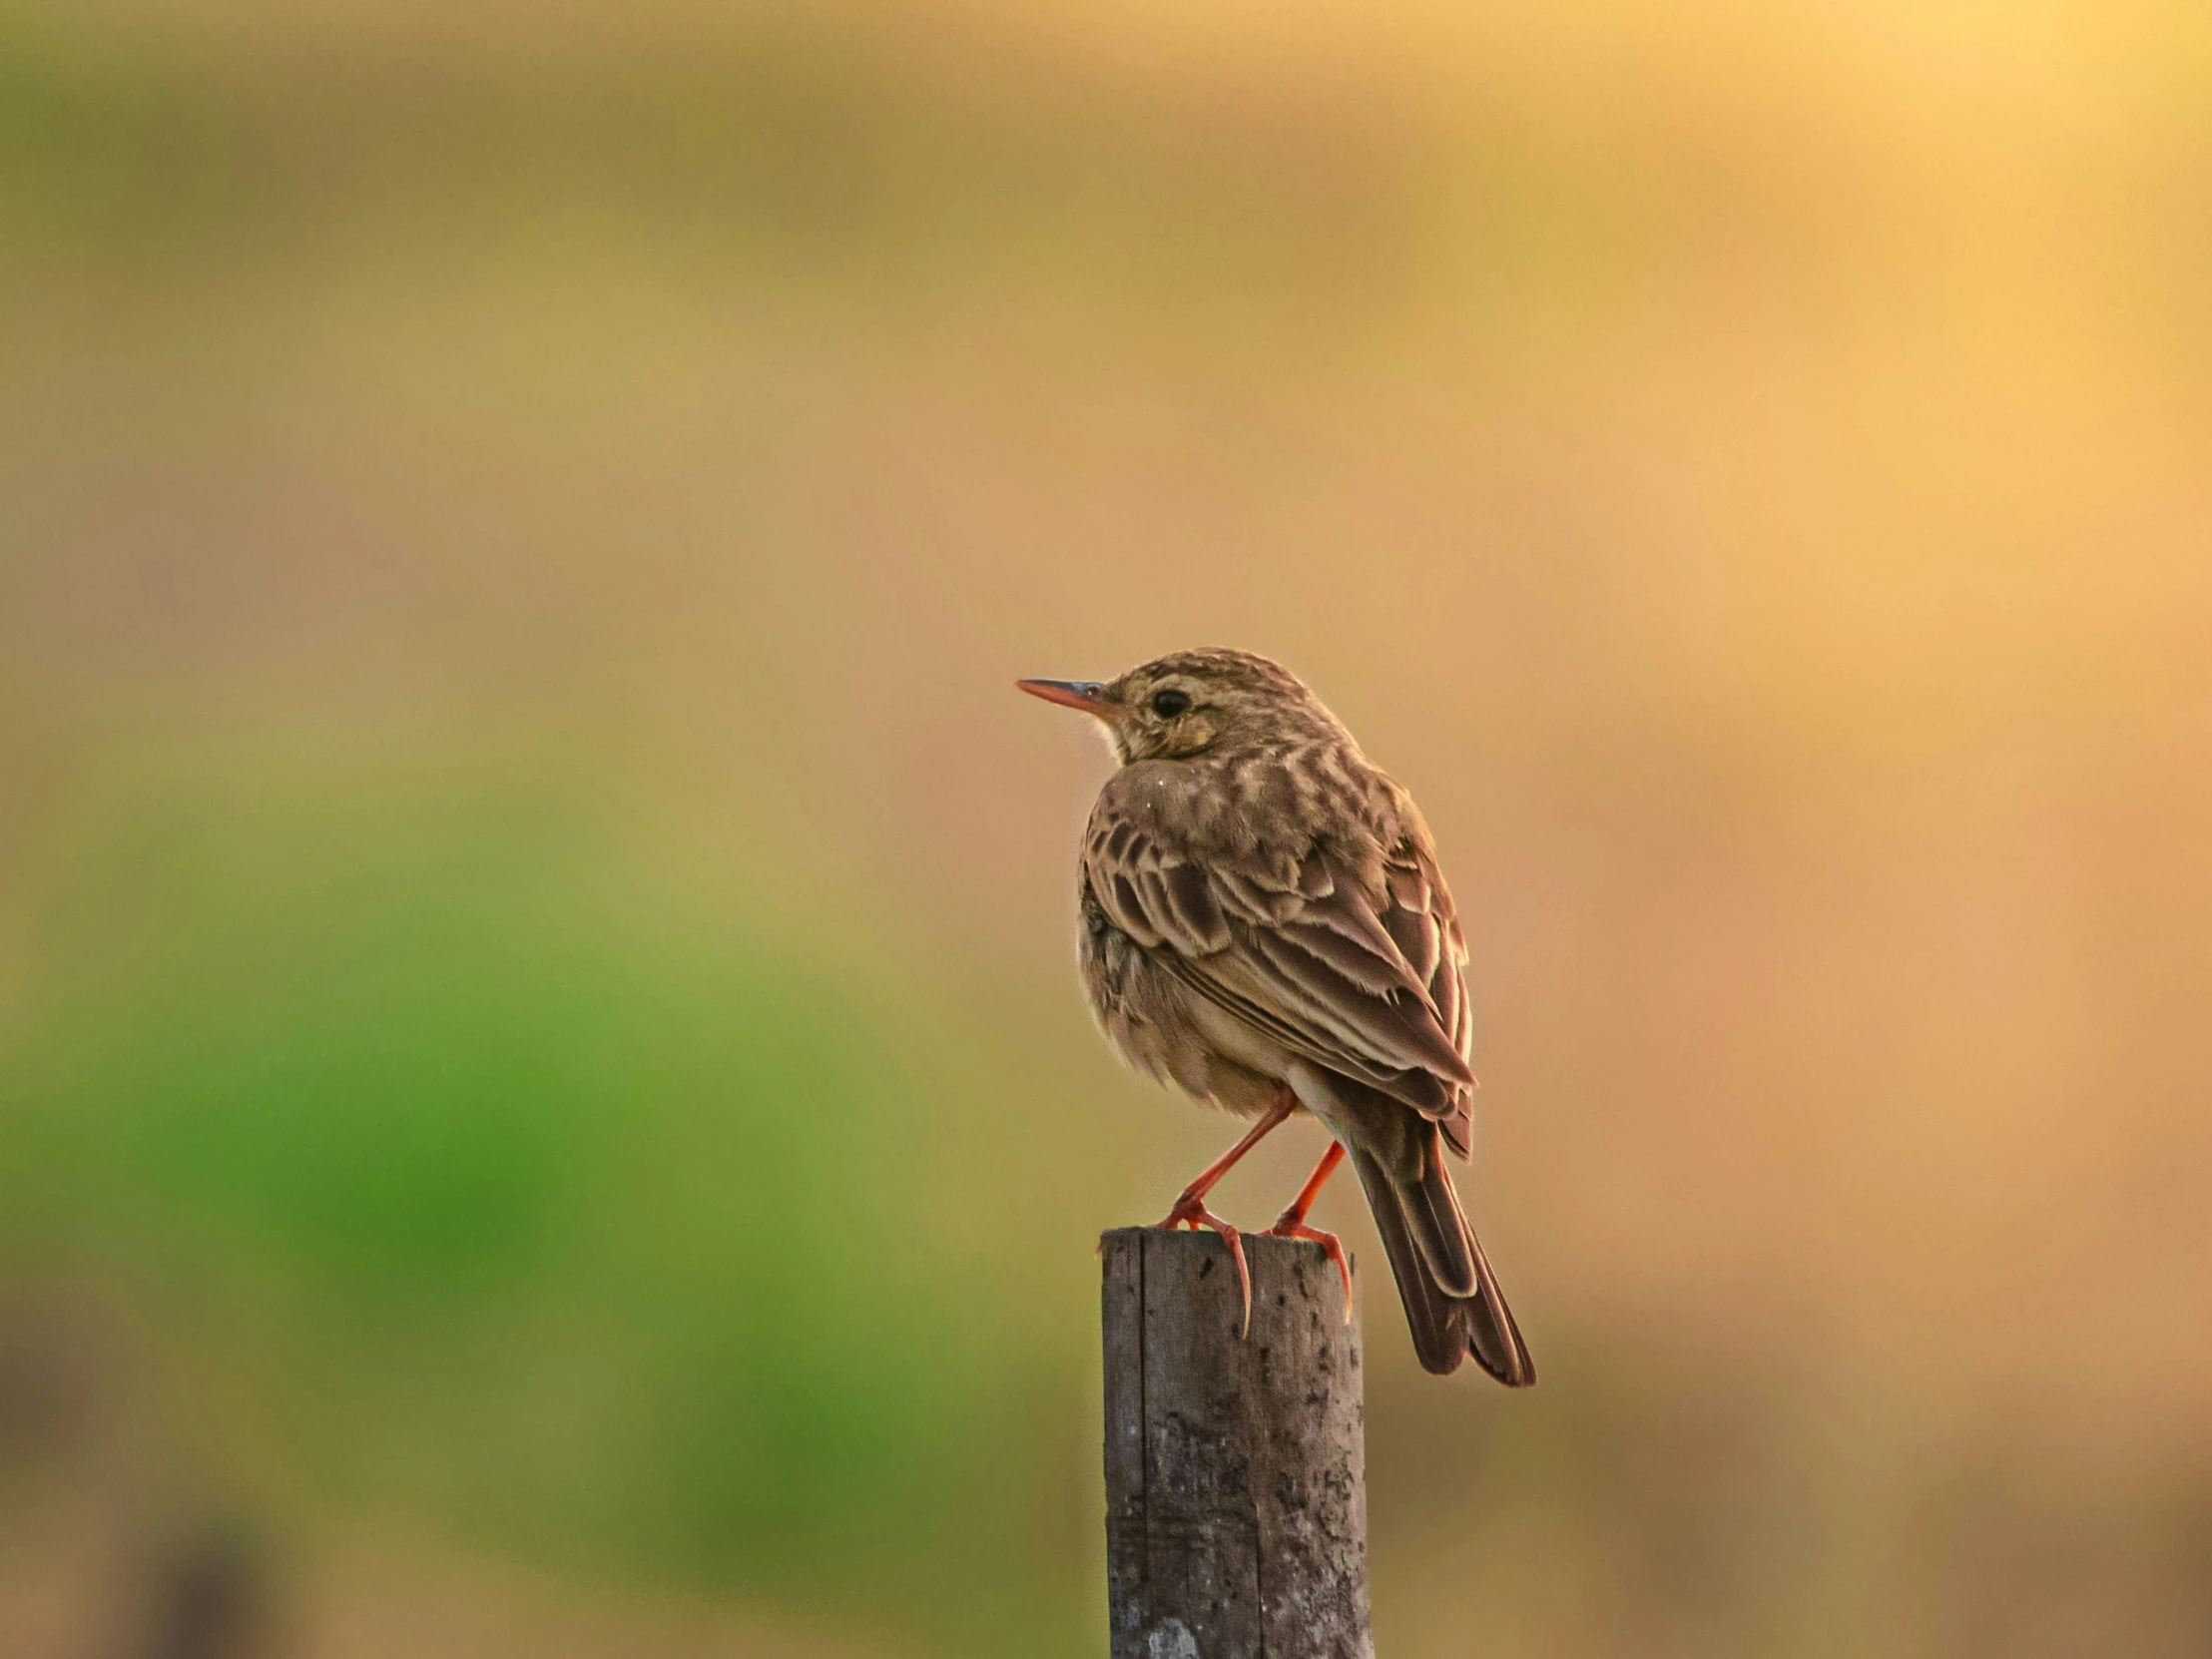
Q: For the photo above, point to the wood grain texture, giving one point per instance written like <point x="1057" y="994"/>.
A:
<point x="1236" y="1470"/>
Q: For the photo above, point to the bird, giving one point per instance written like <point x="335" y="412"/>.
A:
<point x="1265" y="927"/>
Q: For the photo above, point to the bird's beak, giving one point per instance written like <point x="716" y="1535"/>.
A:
<point x="1075" y="694"/>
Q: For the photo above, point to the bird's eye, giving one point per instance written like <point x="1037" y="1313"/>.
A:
<point x="1168" y="704"/>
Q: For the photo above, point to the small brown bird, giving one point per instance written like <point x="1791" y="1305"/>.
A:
<point x="1263" y="926"/>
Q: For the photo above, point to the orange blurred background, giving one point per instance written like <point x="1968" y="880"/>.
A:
<point x="544" y="1105"/>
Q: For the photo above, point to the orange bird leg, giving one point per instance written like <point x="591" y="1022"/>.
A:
<point x="1291" y="1224"/>
<point x="1189" y="1210"/>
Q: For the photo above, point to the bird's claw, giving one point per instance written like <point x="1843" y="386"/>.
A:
<point x="1288" y="1225"/>
<point x="1190" y="1211"/>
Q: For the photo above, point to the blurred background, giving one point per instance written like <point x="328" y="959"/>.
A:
<point x="544" y="1106"/>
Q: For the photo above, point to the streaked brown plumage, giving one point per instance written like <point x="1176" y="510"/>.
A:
<point x="1263" y="926"/>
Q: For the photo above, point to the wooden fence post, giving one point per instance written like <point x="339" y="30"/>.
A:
<point x="1236" y="1470"/>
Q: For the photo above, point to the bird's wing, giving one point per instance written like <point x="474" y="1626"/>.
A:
<point x="1424" y="923"/>
<point x="1294" y="945"/>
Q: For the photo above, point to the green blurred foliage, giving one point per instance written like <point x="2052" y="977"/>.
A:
<point x="552" y="1204"/>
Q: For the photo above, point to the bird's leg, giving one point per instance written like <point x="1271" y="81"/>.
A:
<point x="1189" y="1210"/>
<point x="1295" y="1216"/>
<point x="1291" y="1224"/>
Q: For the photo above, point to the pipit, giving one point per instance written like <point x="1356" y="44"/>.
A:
<point x="1263" y="926"/>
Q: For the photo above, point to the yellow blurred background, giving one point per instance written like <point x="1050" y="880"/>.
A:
<point x="544" y="1106"/>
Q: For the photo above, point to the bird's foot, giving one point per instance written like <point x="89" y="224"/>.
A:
<point x="1190" y="1211"/>
<point x="1291" y="1225"/>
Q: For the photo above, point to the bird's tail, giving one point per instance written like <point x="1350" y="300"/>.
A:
<point x="1451" y="1297"/>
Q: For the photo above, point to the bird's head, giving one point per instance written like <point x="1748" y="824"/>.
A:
<point x="1194" y="703"/>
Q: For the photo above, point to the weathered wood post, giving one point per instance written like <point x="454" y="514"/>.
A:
<point x="1235" y="1468"/>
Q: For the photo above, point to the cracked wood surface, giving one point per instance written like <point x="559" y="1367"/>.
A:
<point x="1235" y="1484"/>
